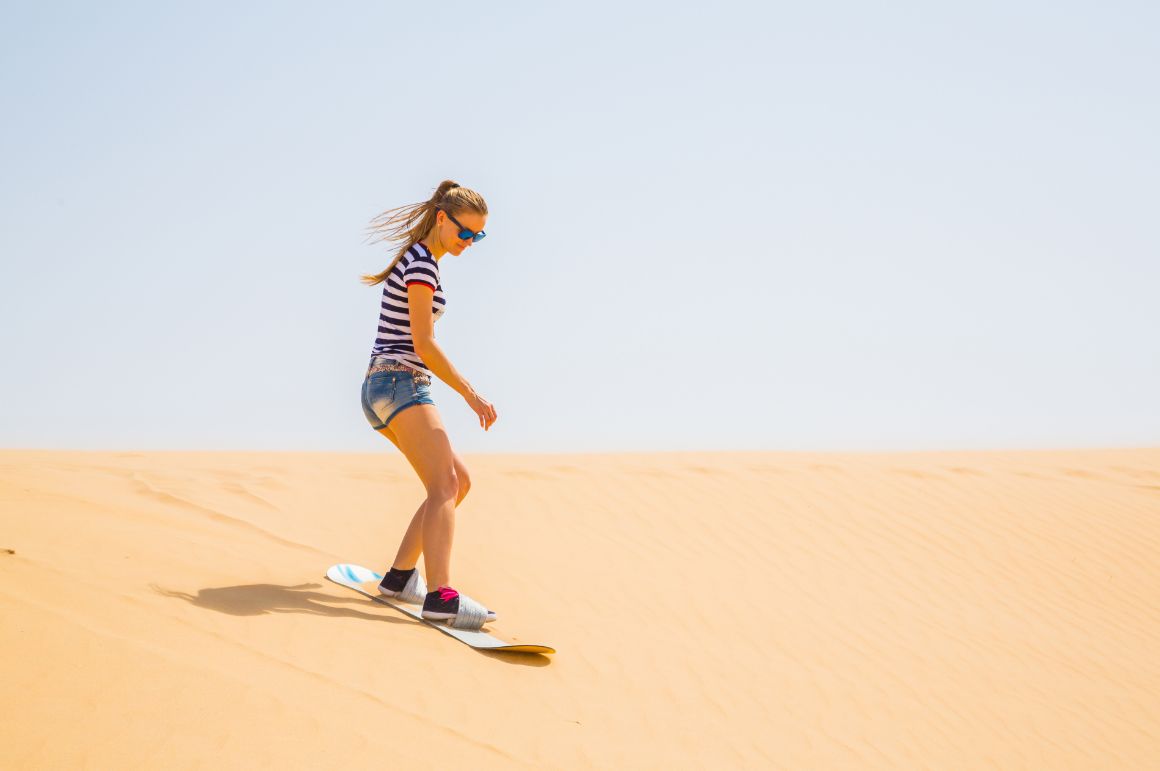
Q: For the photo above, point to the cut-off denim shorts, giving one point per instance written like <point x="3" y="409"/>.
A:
<point x="385" y="394"/>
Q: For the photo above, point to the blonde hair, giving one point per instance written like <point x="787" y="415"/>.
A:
<point x="410" y="223"/>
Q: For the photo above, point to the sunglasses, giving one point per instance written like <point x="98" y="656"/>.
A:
<point x="464" y="233"/>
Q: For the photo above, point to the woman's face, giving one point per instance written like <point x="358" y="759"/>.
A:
<point x="450" y="233"/>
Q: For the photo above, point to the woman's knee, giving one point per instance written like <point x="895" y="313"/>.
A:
<point x="444" y="486"/>
<point x="462" y="477"/>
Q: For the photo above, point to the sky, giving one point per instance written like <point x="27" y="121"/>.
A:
<point x="719" y="226"/>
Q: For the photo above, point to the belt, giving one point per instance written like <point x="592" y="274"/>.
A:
<point x="385" y="366"/>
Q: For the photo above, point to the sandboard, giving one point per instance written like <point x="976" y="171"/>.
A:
<point x="366" y="581"/>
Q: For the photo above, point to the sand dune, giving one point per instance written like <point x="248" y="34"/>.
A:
<point x="954" y="610"/>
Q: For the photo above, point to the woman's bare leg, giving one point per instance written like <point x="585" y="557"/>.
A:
<point x="412" y="546"/>
<point x="419" y="434"/>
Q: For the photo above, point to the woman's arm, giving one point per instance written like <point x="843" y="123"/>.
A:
<point x="437" y="361"/>
<point x="419" y="300"/>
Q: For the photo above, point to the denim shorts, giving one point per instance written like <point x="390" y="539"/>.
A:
<point x="386" y="394"/>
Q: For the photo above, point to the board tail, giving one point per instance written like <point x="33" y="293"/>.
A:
<point x="346" y="573"/>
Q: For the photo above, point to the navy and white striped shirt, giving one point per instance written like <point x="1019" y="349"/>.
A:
<point x="393" y="340"/>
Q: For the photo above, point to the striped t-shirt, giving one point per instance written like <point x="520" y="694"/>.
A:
<point x="393" y="340"/>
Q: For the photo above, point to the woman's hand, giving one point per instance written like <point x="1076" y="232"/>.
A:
<point x="483" y="409"/>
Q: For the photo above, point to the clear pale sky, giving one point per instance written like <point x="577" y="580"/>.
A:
<point x="822" y="226"/>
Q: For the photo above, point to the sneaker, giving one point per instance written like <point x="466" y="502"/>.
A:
<point x="406" y="585"/>
<point x="443" y="603"/>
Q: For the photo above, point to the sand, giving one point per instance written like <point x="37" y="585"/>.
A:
<point x="946" y="610"/>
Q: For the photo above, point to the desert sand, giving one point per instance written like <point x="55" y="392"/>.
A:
<point x="944" y="610"/>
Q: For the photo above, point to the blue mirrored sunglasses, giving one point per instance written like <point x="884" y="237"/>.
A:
<point x="464" y="233"/>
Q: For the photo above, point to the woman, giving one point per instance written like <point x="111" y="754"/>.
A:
<point x="396" y="395"/>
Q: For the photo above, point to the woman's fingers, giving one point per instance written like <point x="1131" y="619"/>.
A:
<point x="487" y="416"/>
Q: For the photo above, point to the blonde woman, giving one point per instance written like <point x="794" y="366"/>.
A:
<point x="396" y="396"/>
